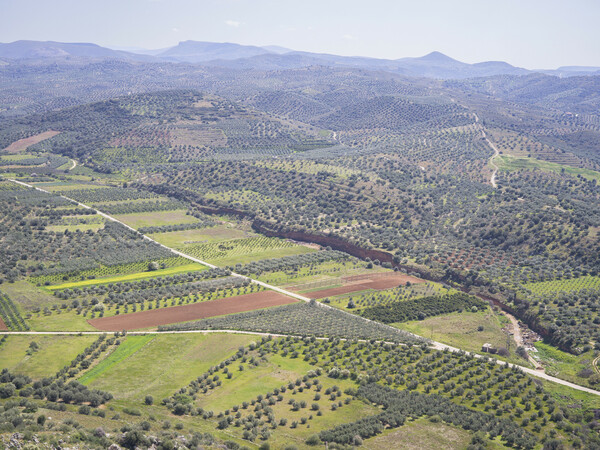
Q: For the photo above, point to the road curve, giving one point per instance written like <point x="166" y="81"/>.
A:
<point x="434" y="344"/>
<point x="496" y="153"/>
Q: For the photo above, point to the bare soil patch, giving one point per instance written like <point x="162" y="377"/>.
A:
<point x="175" y="314"/>
<point x="209" y="137"/>
<point x="381" y="276"/>
<point x="22" y="144"/>
<point x="338" y="290"/>
<point x="3" y="326"/>
<point x="356" y="283"/>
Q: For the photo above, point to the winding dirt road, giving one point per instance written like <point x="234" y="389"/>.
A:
<point x="496" y="154"/>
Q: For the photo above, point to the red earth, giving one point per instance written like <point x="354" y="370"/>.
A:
<point x="366" y="281"/>
<point x="164" y="316"/>
<point x="22" y="144"/>
<point x="3" y="326"/>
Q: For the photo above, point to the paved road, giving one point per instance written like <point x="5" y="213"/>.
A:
<point x="436" y="345"/>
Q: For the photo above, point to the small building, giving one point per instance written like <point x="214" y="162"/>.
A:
<point x="487" y="348"/>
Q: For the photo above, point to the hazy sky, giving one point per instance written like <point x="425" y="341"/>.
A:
<point x="526" y="33"/>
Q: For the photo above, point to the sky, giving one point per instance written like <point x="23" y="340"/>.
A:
<point x="533" y="34"/>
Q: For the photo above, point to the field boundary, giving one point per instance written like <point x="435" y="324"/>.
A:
<point x="434" y="344"/>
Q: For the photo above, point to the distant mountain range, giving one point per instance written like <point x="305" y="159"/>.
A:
<point x="248" y="57"/>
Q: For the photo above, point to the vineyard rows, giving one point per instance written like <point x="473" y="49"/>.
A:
<point x="290" y="262"/>
<point x="107" y="194"/>
<point x="316" y="321"/>
<point x="10" y="314"/>
<point x="565" y="285"/>
<point x="235" y="247"/>
<point x="104" y="271"/>
<point x="142" y="207"/>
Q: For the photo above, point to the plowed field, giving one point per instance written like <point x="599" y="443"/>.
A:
<point x="22" y="144"/>
<point x="358" y="283"/>
<point x="175" y="314"/>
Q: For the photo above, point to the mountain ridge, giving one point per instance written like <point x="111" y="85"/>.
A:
<point x="231" y="55"/>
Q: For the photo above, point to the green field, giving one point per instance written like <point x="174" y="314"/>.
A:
<point x="28" y="296"/>
<point x="461" y="330"/>
<point x="326" y="273"/>
<point x="254" y="381"/>
<point x="63" y="187"/>
<point x="570" y="284"/>
<point x="421" y="434"/>
<point x="241" y="251"/>
<point x="128" y="347"/>
<point x="510" y="163"/>
<point x="565" y="365"/>
<point x="63" y="321"/>
<point x="201" y="235"/>
<point x="81" y="227"/>
<point x="156" y="218"/>
<point x="107" y="271"/>
<point x="194" y="267"/>
<point x="165" y="363"/>
<point x="368" y="298"/>
<point x="54" y="352"/>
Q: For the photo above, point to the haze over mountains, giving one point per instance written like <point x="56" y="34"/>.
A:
<point x="247" y="57"/>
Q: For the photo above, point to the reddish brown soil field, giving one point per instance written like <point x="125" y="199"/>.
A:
<point x="367" y="281"/>
<point x="3" y="326"/>
<point x="398" y="278"/>
<point x="387" y="283"/>
<point x="338" y="290"/>
<point x="175" y="314"/>
<point x="22" y="144"/>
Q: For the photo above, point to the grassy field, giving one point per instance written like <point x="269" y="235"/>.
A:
<point x="53" y="354"/>
<point x="564" y="365"/>
<point x="510" y="163"/>
<point x="63" y="187"/>
<point x="165" y="363"/>
<point x="80" y="227"/>
<point x="28" y="296"/>
<point x="570" y="397"/>
<point x="106" y="271"/>
<point x="63" y="321"/>
<point x="201" y="235"/>
<point x="156" y="218"/>
<point x="572" y="284"/>
<point x="371" y="297"/>
<point x="461" y="330"/>
<point x="194" y="267"/>
<point x="127" y="348"/>
<point x="254" y="381"/>
<point x="284" y="436"/>
<point x="241" y="251"/>
<point x="421" y="434"/>
<point x="326" y="273"/>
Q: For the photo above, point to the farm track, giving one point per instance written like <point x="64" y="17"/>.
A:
<point x="517" y="336"/>
<point x="434" y="344"/>
<point x="496" y="154"/>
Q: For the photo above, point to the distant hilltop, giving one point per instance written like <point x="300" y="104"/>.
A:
<point x="250" y="57"/>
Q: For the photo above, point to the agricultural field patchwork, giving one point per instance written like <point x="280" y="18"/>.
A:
<point x="355" y="235"/>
